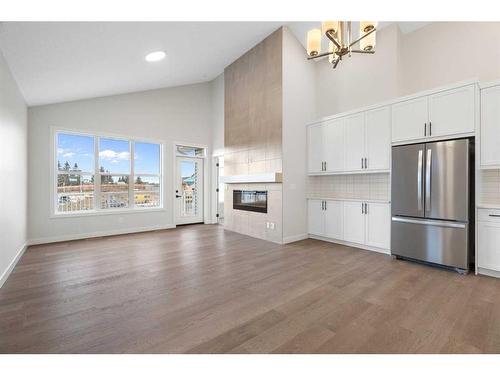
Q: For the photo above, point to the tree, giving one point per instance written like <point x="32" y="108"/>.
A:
<point x="138" y="180"/>
<point x="75" y="167"/>
<point x="67" y="167"/>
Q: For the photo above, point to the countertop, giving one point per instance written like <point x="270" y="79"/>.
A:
<point x="350" y="200"/>
<point x="488" y="206"/>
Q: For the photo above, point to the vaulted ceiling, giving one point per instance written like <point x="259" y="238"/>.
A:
<point x="62" y="61"/>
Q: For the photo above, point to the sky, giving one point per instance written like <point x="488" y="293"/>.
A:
<point x="114" y="155"/>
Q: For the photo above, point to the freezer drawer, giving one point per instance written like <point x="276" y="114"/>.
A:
<point x="434" y="241"/>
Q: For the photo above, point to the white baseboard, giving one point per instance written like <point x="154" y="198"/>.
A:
<point x="487" y="272"/>
<point x="352" y="244"/>
<point x="297" y="237"/>
<point x="81" y="236"/>
<point x="8" y="271"/>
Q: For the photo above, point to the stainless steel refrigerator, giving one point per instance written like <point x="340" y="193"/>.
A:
<point x="432" y="202"/>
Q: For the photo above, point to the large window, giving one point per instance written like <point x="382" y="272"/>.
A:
<point x="102" y="174"/>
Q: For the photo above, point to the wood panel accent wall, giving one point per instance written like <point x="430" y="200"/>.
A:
<point x="253" y="109"/>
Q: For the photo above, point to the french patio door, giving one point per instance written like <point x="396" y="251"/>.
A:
<point x="189" y="190"/>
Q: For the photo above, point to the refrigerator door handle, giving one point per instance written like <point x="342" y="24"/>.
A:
<point x="419" y="179"/>
<point x="436" y="223"/>
<point x="428" y="180"/>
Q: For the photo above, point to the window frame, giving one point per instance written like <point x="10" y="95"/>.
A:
<point x="97" y="210"/>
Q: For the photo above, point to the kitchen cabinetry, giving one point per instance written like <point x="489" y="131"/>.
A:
<point x="445" y="113"/>
<point x="325" y="218"/>
<point x="356" y="222"/>
<point x="488" y="252"/>
<point x="326" y="147"/>
<point x="490" y="127"/>
<point x="354" y="143"/>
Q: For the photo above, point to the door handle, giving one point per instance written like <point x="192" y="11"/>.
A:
<point x="366" y="163"/>
<point x="325" y="206"/>
<point x="425" y="129"/>
<point x="362" y="208"/>
<point x="366" y="208"/>
<point x="428" y="180"/>
<point x="419" y="179"/>
<point x="430" y="128"/>
<point x="325" y="166"/>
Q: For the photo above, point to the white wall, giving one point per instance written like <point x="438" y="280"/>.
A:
<point x="438" y="54"/>
<point x="361" y="79"/>
<point x="446" y="52"/>
<point x="13" y="169"/>
<point x="181" y="114"/>
<point x="298" y="109"/>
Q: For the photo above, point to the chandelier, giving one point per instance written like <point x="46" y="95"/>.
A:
<point x="341" y="41"/>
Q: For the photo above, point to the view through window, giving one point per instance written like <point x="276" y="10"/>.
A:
<point x="101" y="173"/>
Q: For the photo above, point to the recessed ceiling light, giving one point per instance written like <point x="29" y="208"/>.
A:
<point x="155" y="56"/>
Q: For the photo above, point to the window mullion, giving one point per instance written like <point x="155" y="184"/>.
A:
<point x="131" y="180"/>
<point x="97" y="176"/>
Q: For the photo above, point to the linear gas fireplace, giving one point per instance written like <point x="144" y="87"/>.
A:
<point x="250" y="200"/>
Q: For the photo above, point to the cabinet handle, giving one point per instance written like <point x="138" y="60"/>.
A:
<point x="366" y="208"/>
<point x="425" y="129"/>
<point x="325" y="165"/>
<point x="325" y="206"/>
<point x="362" y="208"/>
<point x="366" y="163"/>
<point x="430" y="128"/>
<point x="493" y="215"/>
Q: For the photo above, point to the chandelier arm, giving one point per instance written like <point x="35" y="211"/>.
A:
<point x="333" y="40"/>
<point x="361" y="51"/>
<point x="320" y="55"/>
<point x="364" y="36"/>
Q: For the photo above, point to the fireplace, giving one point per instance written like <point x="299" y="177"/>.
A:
<point x="250" y="200"/>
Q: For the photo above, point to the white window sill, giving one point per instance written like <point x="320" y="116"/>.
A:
<point x="106" y="212"/>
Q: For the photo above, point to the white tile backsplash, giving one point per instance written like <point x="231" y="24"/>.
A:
<point x="489" y="191"/>
<point x="355" y="186"/>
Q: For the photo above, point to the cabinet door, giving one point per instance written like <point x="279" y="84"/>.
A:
<point x="409" y="119"/>
<point x="354" y="222"/>
<point x="333" y="219"/>
<point x="354" y="142"/>
<point x="316" y="217"/>
<point x="488" y="252"/>
<point x="334" y="145"/>
<point x="378" y="225"/>
<point x="490" y="126"/>
<point x="452" y="112"/>
<point x="315" y="150"/>
<point x="378" y="138"/>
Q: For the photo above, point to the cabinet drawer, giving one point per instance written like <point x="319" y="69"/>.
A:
<point x="489" y="215"/>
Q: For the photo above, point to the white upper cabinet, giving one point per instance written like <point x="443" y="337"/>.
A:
<point x="354" y="143"/>
<point x="334" y="145"/>
<point x="354" y="136"/>
<point x="325" y="145"/>
<point x="409" y="119"/>
<point x="447" y="113"/>
<point x="315" y="137"/>
<point x="452" y="112"/>
<point x="490" y="127"/>
<point x="378" y="139"/>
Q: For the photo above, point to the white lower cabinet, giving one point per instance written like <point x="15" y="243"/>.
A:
<point x="357" y="222"/>
<point x="488" y="238"/>
<point x="354" y="218"/>
<point x="325" y="218"/>
<point x="378" y="225"/>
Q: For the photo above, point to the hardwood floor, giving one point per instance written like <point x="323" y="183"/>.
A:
<point x="200" y="289"/>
